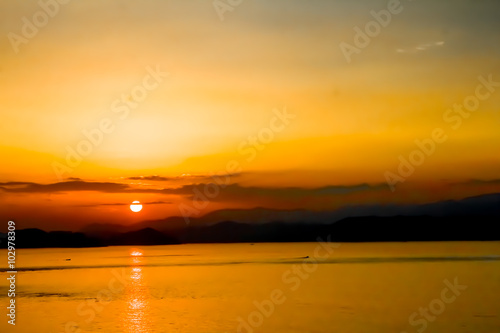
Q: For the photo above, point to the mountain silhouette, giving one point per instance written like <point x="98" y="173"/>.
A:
<point x="470" y="219"/>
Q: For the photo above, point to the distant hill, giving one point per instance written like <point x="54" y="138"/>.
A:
<point x="103" y="230"/>
<point x="146" y="236"/>
<point x="359" y="229"/>
<point x="474" y="218"/>
<point x="36" y="238"/>
<point x="480" y="206"/>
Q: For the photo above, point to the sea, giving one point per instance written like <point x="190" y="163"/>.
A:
<point x="262" y="287"/>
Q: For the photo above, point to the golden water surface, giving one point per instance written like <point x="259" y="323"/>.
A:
<point x="281" y="287"/>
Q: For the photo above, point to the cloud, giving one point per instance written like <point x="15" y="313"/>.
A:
<point x="127" y="204"/>
<point x="237" y="192"/>
<point x="230" y="190"/>
<point x="15" y="183"/>
<point x="152" y="178"/>
<point x="225" y="191"/>
<point x="421" y="47"/>
<point x="481" y="181"/>
<point x="184" y="176"/>
<point x="21" y="187"/>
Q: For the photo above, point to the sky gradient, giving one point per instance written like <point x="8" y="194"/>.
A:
<point x="265" y="96"/>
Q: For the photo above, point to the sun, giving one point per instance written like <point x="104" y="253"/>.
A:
<point x="136" y="206"/>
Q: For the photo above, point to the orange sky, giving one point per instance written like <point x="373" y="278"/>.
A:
<point x="225" y="100"/>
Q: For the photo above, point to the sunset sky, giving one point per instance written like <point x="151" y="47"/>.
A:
<point x="265" y="96"/>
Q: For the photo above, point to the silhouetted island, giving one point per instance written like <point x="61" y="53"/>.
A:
<point x="354" y="229"/>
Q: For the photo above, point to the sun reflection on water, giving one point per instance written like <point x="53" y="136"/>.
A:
<point x="136" y="253"/>
<point x="137" y="317"/>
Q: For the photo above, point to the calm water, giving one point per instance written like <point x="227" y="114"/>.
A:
<point x="258" y="288"/>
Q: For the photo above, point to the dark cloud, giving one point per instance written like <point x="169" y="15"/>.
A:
<point x="231" y="190"/>
<point x="183" y="177"/>
<point x="152" y="178"/>
<point x="15" y="183"/>
<point x="479" y="181"/>
<point x="63" y="187"/>
<point x="237" y="191"/>
<point x="127" y="204"/>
